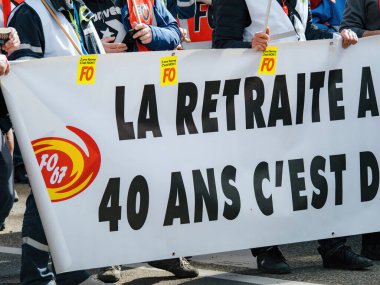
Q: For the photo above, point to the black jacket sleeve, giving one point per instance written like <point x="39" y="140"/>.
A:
<point x="230" y="20"/>
<point x="29" y="28"/>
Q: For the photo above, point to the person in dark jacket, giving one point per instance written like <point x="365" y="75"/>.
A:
<point x="7" y="194"/>
<point x="363" y="17"/>
<point x="239" y="24"/>
<point x="234" y="28"/>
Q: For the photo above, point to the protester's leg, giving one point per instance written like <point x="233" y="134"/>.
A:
<point x="180" y="267"/>
<point x="20" y="174"/>
<point x="6" y="182"/>
<point x="35" y="251"/>
<point x="371" y="245"/>
<point x="270" y="260"/>
<point x="335" y="254"/>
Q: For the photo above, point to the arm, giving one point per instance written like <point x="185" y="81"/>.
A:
<point x="230" y="19"/>
<point x="354" y="18"/>
<point x="166" y="35"/>
<point x="28" y="24"/>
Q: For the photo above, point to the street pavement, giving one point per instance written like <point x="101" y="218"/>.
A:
<point x="230" y="268"/>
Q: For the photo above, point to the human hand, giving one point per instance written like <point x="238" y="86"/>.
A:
<point x="349" y="37"/>
<point x="4" y="65"/>
<point x="111" y="47"/>
<point x="143" y="33"/>
<point x="260" y="40"/>
<point x="184" y="36"/>
<point x="13" y="42"/>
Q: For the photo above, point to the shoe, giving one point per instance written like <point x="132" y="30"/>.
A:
<point x="272" y="261"/>
<point x="110" y="274"/>
<point x="16" y="197"/>
<point x="345" y="258"/>
<point x="2" y="227"/>
<point x="180" y="267"/>
<point x="371" y="251"/>
<point x="93" y="281"/>
<point x="20" y="175"/>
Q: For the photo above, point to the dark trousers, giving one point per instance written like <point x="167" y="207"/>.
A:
<point x="6" y="181"/>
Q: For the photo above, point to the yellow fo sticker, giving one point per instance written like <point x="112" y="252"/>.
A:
<point x="168" y="71"/>
<point x="86" y="69"/>
<point x="268" y="61"/>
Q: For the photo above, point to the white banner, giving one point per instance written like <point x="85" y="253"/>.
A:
<point x="148" y="156"/>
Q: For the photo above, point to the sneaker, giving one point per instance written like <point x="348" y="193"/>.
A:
<point x="371" y="251"/>
<point x="92" y="281"/>
<point x="16" y="197"/>
<point x="180" y="267"/>
<point x="272" y="261"/>
<point x="345" y="258"/>
<point x="110" y="274"/>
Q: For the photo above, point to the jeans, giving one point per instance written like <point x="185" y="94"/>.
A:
<point x="35" y="253"/>
<point x="6" y="181"/>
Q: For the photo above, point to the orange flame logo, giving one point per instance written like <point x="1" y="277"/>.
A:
<point x="65" y="167"/>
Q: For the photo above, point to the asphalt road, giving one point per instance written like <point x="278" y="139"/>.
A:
<point x="221" y="269"/>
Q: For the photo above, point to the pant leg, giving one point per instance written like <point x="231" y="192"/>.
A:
<point x="35" y="253"/>
<point x="6" y="181"/>
<point x="257" y="250"/>
<point x="330" y="245"/>
<point x="371" y="239"/>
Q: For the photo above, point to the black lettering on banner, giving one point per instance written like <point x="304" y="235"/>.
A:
<point x="280" y="107"/>
<point x="198" y="15"/>
<point x="124" y="129"/>
<point x="231" y="88"/>
<point x="185" y="112"/>
<point x="261" y="173"/>
<point x="279" y="168"/>
<point x="112" y="213"/>
<point x="301" y="86"/>
<point x="177" y="189"/>
<point x="318" y="164"/>
<point x="335" y="95"/>
<point x="209" y="124"/>
<point x="231" y="211"/>
<point x="296" y="166"/>
<point x="148" y="117"/>
<point x="368" y="163"/>
<point x="338" y="165"/>
<point x="367" y="103"/>
<point x="253" y="106"/>
<point x="205" y="194"/>
<point x="317" y="81"/>
<point x="137" y="215"/>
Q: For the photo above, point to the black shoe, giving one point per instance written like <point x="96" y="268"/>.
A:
<point x="272" y="261"/>
<point x="2" y="227"/>
<point x="345" y="258"/>
<point x="371" y="251"/>
<point x="20" y="175"/>
<point x="180" y="267"/>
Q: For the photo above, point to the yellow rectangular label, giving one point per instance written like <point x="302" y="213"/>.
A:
<point x="86" y="69"/>
<point x="268" y="61"/>
<point x="168" y="71"/>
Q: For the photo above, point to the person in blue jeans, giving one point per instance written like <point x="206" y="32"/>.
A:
<point x="28" y="19"/>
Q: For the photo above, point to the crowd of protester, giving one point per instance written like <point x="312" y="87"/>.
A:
<point x="236" y="25"/>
